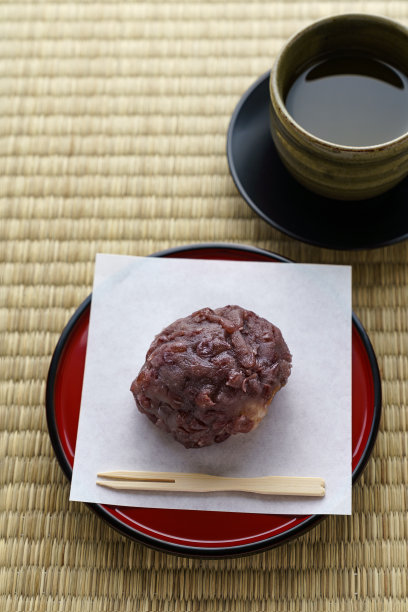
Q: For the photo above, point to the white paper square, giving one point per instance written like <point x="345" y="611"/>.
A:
<point x="307" y="431"/>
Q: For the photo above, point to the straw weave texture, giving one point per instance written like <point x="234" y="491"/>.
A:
<point x="113" y="119"/>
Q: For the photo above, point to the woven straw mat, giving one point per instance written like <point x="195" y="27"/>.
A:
<point x="113" y="129"/>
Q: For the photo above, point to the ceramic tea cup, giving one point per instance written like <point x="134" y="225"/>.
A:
<point x="341" y="171"/>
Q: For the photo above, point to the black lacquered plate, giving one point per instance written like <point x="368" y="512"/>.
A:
<point x="274" y="195"/>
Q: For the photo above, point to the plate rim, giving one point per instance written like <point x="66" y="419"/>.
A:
<point x="219" y="552"/>
<point x="244" y="194"/>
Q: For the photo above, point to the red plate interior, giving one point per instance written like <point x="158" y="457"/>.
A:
<point x="194" y="529"/>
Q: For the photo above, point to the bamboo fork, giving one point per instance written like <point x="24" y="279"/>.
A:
<point x="204" y="483"/>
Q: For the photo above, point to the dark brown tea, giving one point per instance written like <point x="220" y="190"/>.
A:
<point x="351" y="101"/>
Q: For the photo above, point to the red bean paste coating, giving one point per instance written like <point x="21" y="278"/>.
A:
<point x="212" y="374"/>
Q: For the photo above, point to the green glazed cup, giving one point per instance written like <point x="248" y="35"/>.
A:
<point x="337" y="171"/>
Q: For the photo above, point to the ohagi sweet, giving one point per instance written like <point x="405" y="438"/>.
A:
<point x="212" y="374"/>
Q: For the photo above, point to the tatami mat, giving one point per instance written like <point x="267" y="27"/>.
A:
<point x="113" y="119"/>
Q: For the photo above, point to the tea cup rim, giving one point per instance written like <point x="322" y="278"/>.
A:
<point x="281" y="108"/>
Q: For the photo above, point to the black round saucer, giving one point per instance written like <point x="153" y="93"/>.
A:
<point x="274" y="195"/>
